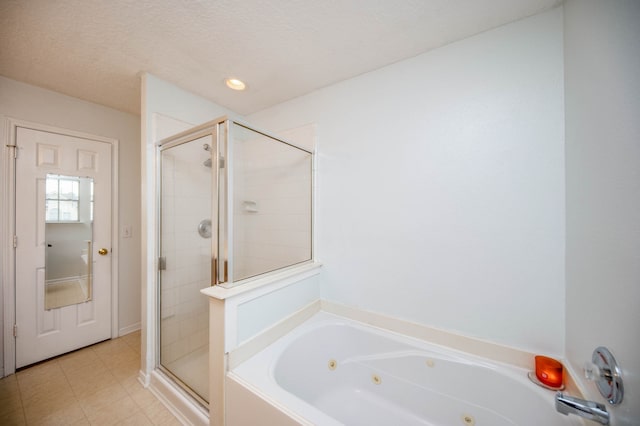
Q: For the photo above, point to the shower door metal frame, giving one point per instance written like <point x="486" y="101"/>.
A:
<point x="220" y="265"/>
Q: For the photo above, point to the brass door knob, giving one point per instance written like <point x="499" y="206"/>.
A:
<point x="103" y="251"/>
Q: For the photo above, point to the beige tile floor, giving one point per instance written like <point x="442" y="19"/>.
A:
<point x="96" y="385"/>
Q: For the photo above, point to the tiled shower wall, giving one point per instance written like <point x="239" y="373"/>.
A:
<point x="186" y="200"/>
<point x="272" y="206"/>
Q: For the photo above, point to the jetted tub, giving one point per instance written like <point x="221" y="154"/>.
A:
<point x="332" y="371"/>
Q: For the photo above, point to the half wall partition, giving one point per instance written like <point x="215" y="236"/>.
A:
<point x="234" y="203"/>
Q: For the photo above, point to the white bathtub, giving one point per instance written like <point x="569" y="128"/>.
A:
<point x="332" y="371"/>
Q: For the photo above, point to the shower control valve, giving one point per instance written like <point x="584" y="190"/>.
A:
<point x="603" y="370"/>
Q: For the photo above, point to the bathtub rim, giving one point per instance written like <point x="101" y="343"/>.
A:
<point x="491" y="351"/>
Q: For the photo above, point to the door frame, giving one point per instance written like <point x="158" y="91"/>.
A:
<point x="7" y="228"/>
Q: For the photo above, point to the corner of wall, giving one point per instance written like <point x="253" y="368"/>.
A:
<point x="602" y="103"/>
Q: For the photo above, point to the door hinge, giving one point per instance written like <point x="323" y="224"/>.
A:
<point x="15" y="330"/>
<point x="15" y="241"/>
<point x="162" y="263"/>
<point x="221" y="162"/>
<point x="15" y="150"/>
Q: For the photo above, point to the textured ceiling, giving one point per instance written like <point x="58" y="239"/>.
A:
<point x="96" y="49"/>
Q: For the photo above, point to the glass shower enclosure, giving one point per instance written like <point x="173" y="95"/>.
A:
<point x="234" y="203"/>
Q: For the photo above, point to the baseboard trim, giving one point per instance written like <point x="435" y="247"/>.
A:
<point x="129" y="329"/>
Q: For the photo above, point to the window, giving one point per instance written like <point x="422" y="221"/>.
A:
<point x="62" y="200"/>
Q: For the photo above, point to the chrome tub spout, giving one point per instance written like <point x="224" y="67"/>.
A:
<point x="588" y="409"/>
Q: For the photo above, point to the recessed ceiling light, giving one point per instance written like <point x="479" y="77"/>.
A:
<point x="235" y="84"/>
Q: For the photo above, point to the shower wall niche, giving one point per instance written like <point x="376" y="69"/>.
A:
<point x="234" y="203"/>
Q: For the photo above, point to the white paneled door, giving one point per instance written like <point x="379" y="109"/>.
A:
<point x="42" y="333"/>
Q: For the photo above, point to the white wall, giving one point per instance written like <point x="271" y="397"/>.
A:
<point x="441" y="186"/>
<point x="30" y="103"/>
<point x="602" y="59"/>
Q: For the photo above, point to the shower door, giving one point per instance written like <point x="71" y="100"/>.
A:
<point x="185" y="261"/>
